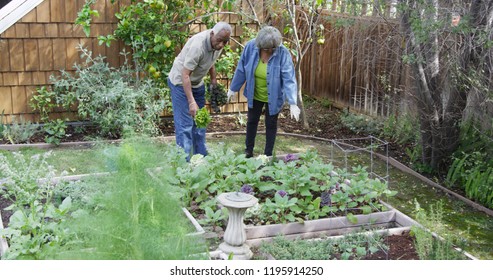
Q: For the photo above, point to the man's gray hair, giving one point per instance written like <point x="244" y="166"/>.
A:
<point x="268" y="37"/>
<point x="221" y="26"/>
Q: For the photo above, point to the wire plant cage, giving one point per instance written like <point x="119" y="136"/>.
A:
<point x="369" y="151"/>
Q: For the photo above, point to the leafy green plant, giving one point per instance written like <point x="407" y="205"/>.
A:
<point x="472" y="167"/>
<point x="113" y="99"/>
<point x="214" y="218"/>
<point x="36" y="224"/>
<point x="241" y="119"/>
<point x="429" y="246"/>
<point x="351" y="246"/>
<point x="154" y="29"/>
<point x="44" y="101"/>
<point x="2" y="123"/>
<point x="55" y="131"/>
<point x="84" y="16"/>
<point x="402" y="128"/>
<point x="290" y="189"/>
<point x="226" y="64"/>
<point x="282" y="208"/>
<point x="20" y="132"/>
<point x="202" y="118"/>
<point x="216" y="95"/>
<point x="361" y="123"/>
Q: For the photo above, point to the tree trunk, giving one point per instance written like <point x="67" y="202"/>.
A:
<point x="441" y="98"/>
<point x="299" y="80"/>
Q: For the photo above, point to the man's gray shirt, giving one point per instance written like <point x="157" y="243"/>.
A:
<point x="198" y="56"/>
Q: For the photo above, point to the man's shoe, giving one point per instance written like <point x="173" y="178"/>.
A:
<point x="248" y="154"/>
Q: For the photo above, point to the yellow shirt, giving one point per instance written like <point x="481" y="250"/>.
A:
<point x="261" y="82"/>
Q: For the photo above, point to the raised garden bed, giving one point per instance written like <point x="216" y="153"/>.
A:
<point x="391" y="221"/>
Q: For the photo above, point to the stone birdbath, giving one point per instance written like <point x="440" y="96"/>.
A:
<point x="235" y="236"/>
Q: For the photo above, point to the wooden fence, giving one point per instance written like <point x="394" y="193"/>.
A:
<point x="359" y="65"/>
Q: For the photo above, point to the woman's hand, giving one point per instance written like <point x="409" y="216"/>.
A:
<point x="294" y="111"/>
<point x="231" y="94"/>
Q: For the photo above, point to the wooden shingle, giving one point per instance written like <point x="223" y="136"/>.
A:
<point x="72" y="53"/>
<point x="25" y="78"/>
<point x="16" y="49"/>
<point x="65" y="30"/>
<point x="43" y="11"/>
<point x="5" y="100"/>
<point x="59" y="54"/>
<point x="30" y="17"/>
<point x="100" y="7"/>
<point x="19" y="100"/>
<point x="71" y="9"/>
<point x="30" y="91"/>
<point x="57" y="10"/>
<point x="45" y="54"/>
<point x="51" y="30"/>
<point x="9" y="33"/>
<point x="21" y="30"/>
<point x="36" y="30"/>
<point x="10" y="79"/>
<point x="32" y="55"/>
<point x="39" y="78"/>
<point x="4" y="56"/>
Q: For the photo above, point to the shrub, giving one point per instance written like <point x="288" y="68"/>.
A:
<point x="19" y="132"/>
<point x="115" y="100"/>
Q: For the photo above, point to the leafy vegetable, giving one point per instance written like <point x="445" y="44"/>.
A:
<point x="202" y="118"/>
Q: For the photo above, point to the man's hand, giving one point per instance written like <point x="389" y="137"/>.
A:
<point x="294" y="111"/>
<point x="193" y="108"/>
<point x="230" y="95"/>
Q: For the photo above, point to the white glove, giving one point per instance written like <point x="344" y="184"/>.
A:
<point x="230" y="95"/>
<point x="295" y="112"/>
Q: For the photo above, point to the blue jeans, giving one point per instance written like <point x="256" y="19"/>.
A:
<point x="188" y="136"/>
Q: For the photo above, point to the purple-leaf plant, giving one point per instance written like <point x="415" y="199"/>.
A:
<point x="248" y="189"/>
<point x="282" y="193"/>
<point x="291" y="157"/>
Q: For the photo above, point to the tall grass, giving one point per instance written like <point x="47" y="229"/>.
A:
<point x="472" y="165"/>
<point x="131" y="216"/>
<point x="428" y="246"/>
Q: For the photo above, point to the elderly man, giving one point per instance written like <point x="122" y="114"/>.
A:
<point x="187" y="86"/>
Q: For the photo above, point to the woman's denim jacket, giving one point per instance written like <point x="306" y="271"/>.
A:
<point x="281" y="80"/>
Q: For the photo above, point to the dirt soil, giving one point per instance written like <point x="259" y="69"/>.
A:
<point x="401" y="247"/>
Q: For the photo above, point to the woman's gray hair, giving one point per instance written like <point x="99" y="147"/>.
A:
<point x="268" y="37"/>
<point x="221" y="26"/>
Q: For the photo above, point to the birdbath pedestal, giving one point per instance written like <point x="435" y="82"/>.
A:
<point x="235" y="236"/>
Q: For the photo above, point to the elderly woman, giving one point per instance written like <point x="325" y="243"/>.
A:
<point x="267" y="70"/>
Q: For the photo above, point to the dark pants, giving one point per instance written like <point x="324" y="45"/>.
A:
<point x="252" y="125"/>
